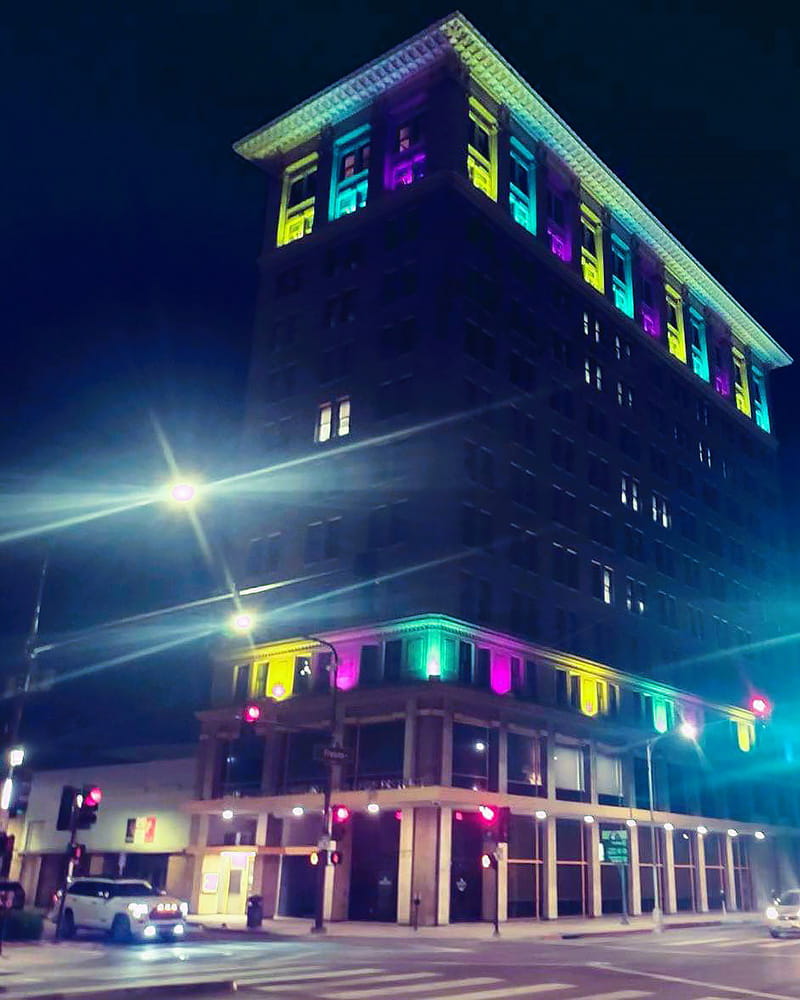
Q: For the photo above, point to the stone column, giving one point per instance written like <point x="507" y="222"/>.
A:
<point x="502" y="759"/>
<point x="199" y="840"/>
<point x="669" y="903"/>
<point x="634" y="873"/>
<point x="700" y="884"/>
<point x="405" y="869"/>
<point x="502" y="882"/>
<point x="550" y="907"/>
<point x="446" y="776"/>
<point x="595" y="883"/>
<point x="425" y="863"/>
<point x="445" y="857"/>
<point x="410" y="742"/>
<point x="729" y="878"/>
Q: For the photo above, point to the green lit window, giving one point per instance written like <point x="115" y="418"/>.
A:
<point x="350" y="173"/>
<point x="740" y="383"/>
<point x="699" y="346"/>
<point x="522" y="187"/>
<point x="482" y="149"/>
<point x="676" y="337"/>
<point x="760" y="408"/>
<point x="592" y="248"/>
<point x="296" y="216"/>
<point x="621" y="275"/>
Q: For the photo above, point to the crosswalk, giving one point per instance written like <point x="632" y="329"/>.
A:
<point x="361" y="983"/>
<point x="761" y="942"/>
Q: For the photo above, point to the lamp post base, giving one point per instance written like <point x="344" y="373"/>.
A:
<point x="658" y="921"/>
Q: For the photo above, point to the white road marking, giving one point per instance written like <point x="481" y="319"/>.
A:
<point x="740" y="991"/>
<point x="298" y="981"/>
<point x="285" y="975"/>
<point x="383" y="991"/>
<point x="695" y="941"/>
<point x="618" y="995"/>
<point x="778" y="943"/>
<point x="509" y="991"/>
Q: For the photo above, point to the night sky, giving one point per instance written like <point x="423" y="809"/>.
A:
<point x="131" y="229"/>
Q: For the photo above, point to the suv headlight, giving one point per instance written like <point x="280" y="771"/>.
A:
<point x="771" y="913"/>
<point x="184" y="908"/>
<point x="138" y="910"/>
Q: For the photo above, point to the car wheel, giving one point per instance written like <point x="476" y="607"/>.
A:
<point x="121" y="929"/>
<point x="67" y="928"/>
<point x="775" y="934"/>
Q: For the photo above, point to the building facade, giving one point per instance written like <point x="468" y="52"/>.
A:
<point x="492" y="400"/>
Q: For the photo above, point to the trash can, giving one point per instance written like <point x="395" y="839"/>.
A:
<point x="255" y="911"/>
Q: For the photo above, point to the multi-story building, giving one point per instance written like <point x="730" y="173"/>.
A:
<point x="514" y="454"/>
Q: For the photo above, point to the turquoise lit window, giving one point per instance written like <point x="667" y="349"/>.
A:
<point x="522" y="187"/>
<point x="350" y="173"/>
<point x="760" y="408"/>
<point x="697" y="336"/>
<point x="621" y="275"/>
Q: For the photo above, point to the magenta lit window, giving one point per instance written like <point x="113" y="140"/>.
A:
<point x="722" y="383"/>
<point x="650" y="321"/>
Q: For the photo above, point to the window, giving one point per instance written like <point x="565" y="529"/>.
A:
<point x="676" y="338"/>
<point x="296" y="214"/>
<point x="635" y="596"/>
<point x="561" y="401"/>
<point x="591" y="327"/>
<point x="602" y="582"/>
<point x="522" y="186"/>
<point x="592" y="248"/>
<point x="476" y="527"/>
<point x="760" y="408"/>
<point x="340" y="309"/>
<point x="621" y="275"/>
<point x="387" y="525"/>
<point x="520" y="372"/>
<point x="568" y="768"/>
<point x="629" y="443"/>
<point x="564" y="507"/>
<point x="741" y="391"/>
<point x="523" y="550"/>
<point x="599" y="473"/>
<point x="608" y="778"/>
<point x="405" y="163"/>
<point x="651" y="319"/>
<point x="624" y="394"/>
<point x="593" y="374"/>
<point x="696" y="622"/>
<point x="523" y="428"/>
<point x="557" y="228"/>
<point x="704" y="453"/>
<point x="629" y="491"/>
<point x="622" y="348"/>
<point x="323" y="540"/>
<point x="333" y="420"/>
<point x="399" y="338"/>
<point x="523" y="487"/>
<point x="479" y="464"/>
<point x="565" y="566"/>
<point x="697" y="338"/>
<point x="634" y="543"/>
<point x="336" y="362"/>
<point x="479" y="344"/>
<point x="659" y="462"/>
<point x="660" y="511"/>
<point x="398" y="282"/>
<point x="394" y="397"/>
<point x="264" y="554"/>
<point x="351" y="155"/>
<point x="562" y="452"/>
<point x="665" y="558"/>
<point x="482" y="149"/>
<point x="596" y="422"/>
<point x="601" y="527"/>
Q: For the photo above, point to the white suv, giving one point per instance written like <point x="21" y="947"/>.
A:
<point x="126" y="908"/>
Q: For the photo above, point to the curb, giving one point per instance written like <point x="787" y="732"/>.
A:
<point x="686" y="925"/>
<point x="139" y="992"/>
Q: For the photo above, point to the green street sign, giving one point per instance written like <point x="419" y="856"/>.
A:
<point x="615" y="846"/>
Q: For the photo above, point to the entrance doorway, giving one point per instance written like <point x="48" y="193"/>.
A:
<point x="373" y="867"/>
<point x="466" y="874"/>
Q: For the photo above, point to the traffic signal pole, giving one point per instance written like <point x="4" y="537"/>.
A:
<point x="77" y="802"/>
<point x="318" y="927"/>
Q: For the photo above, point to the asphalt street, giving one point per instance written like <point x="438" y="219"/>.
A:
<point x="697" y="964"/>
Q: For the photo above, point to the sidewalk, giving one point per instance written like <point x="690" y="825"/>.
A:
<point x="565" y="927"/>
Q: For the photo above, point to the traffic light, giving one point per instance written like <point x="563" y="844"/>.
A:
<point x="64" y="821"/>
<point x="313" y="858"/>
<point x="760" y="706"/>
<point x="335" y="857"/>
<point x="251" y="712"/>
<point x="340" y="816"/>
<point x="489" y="860"/>
<point x="89" y="800"/>
<point x="496" y="821"/>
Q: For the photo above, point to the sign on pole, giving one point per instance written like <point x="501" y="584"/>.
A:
<point x="335" y="754"/>
<point x="615" y="846"/>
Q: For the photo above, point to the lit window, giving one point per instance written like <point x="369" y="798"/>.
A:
<point x="324" y="421"/>
<point x="760" y="409"/>
<point x="660" y="511"/>
<point x="624" y="394"/>
<point x="602" y="582"/>
<point x="697" y="336"/>
<point x="343" y="427"/>
<point x="593" y="374"/>
<point x="333" y="420"/>
<point x="629" y="492"/>
<point x="704" y="453"/>
<point x="405" y="162"/>
<point x="349" y="180"/>
<point x="740" y="386"/>
<point x="676" y="337"/>
<point x="557" y="229"/>
<point x="522" y="187"/>
<point x="651" y="319"/>
<point x="296" y="215"/>
<point x="635" y="596"/>
<point x="591" y="327"/>
<point x="482" y="149"/>
<point x="621" y="275"/>
<point x="592" y="248"/>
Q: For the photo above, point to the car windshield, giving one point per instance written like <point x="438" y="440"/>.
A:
<point x="790" y="899"/>
<point x="133" y="889"/>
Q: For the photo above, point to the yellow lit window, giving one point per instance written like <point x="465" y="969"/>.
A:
<point x="482" y="149"/>
<point x="740" y="383"/>
<point x="296" y="216"/>
<point x="592" y="248"/>
<point x="343" y="428"/>
<point x="594" y="695"/>
<point x="676" y="336"/>
<point x="324" y="422"/>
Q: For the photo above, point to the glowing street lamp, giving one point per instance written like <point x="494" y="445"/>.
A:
<point x="242" y="621"/>
<point x="183" y="492"/>
<point x="688" y="730"/>
<point x="16" y="756"/>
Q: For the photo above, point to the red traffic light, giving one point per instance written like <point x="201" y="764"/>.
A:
<point x="335" y="857"/>
<point x="251" y="713"/>
<point x="760" y="706"/>
<point x="341" y="814"/>
<point x="93" y="797"/>
<point x="488" y="814"/>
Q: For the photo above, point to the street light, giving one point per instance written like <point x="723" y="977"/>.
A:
<point x="687" y="730"/>
<point x="183" y="492"/>
<point x="242" y="621"/>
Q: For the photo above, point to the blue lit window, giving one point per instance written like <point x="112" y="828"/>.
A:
<point x="350" y="173"/>
<point x="621" y="275"/>
<point x="522" y="187"/>
<point x="697" y="335"/>
<point x="760" y="408"/>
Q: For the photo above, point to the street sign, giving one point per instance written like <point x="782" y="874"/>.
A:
<point x="335" y="754"/>
<point x="615" y="846"/>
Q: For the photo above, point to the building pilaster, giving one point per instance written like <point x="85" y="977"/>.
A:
<point x="550" y="900"/>
<point x="445" y="858"/>
<point x="595" y="900"/>
<point x="700" y="884"/>
<point x="634" y="873"/>
<point x="731" y="901"/>
<point x="405" y="867"/>
<point x="670" y="900"/>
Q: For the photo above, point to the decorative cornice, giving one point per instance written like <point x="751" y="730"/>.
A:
<point x="455" y="35"/>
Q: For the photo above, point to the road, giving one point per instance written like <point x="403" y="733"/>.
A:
<point x="722" y="963"/>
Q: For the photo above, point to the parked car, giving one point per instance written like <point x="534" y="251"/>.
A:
<point x="128" y="909"/>
<point x="783" y="916"/>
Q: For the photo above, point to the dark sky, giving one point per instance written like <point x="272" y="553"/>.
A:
<point x="130" y="232"/>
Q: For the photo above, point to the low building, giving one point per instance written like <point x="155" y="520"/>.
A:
<point x="141" y="829"/>
<point x="438" y="719"/>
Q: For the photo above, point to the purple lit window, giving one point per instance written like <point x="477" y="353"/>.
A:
<point x="560" y="240"/>
<point x="405" y="163"/>
<point x="407" y="171"/>
<point x="722" y="383"/>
